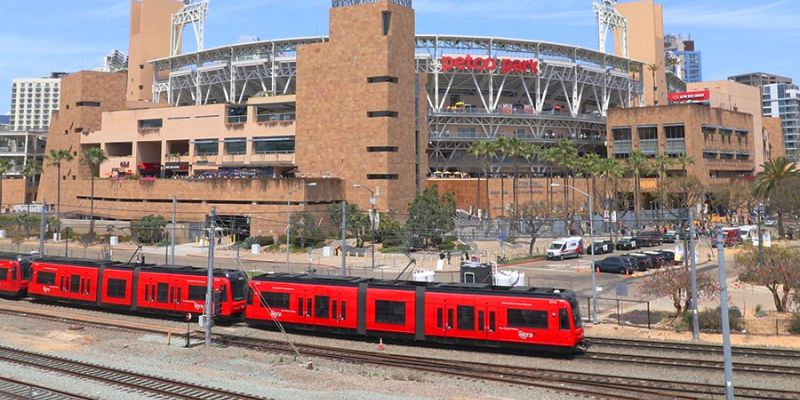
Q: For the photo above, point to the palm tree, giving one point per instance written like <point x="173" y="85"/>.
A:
<point x="479" y="150"/>
<point x="5" y="167"/>
<point x="637" y="163"/>
<point x="589" y="166"/>
<point x="31" y="170"/>
<point x="548" y="155"/>
<point x="660" y="164"/>
<point x="515" y="149"/>
<point x="567" y="157"/>
<point x="530" y="153"/>
<point x="653" y="68"/>
<point x="93" y="157"/>
<point x="775" y="172"/>
<point x="56" y="157"/>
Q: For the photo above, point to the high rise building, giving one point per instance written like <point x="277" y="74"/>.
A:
<point x="682" y="59"/>
<point x="32" y="102"/>
<point x="780" y="98"/>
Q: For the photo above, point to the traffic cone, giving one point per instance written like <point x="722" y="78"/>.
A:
<point x="380" y="345"/>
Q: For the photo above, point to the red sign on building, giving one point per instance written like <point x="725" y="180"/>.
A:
<point x="480" y="64"/>
<point x="699" y="96"/>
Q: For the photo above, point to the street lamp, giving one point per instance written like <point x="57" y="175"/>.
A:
<point x="372" y="200"/>
<point x="591" y="246"/>
<point x="289" y="217"/>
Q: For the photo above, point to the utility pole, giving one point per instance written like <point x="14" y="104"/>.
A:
<point x="41" y="229"/>
<point x="212" y="227"/>
<point x="693" y="262"/>
<point x="344" y="237"/>
<point x="760" y="234"/>
<point x="726" y="328"/>
<point x="174" y="229"/>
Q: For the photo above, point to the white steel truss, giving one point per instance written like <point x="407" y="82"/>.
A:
<point x="609" y="19"/>
<point x="193" y="13"/>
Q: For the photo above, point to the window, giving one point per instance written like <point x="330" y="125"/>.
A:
<point x="382" y="149"/>
<point x="450" y="318"/>
<point x="236" y="146"/>
<point x="151" y="123"/>
<point x="277" y="145"/>
<point x="390" y="312"/>
<point x="621" y="133"/>
<point x="115" y="288"/>
<point x="238" y="290"/>
<point x="647" y="133"/>
<point x="466" y="318"/>
<point x="709" y="155"/>
<point x="208" y="147"/>
<point x="88" y="104"/>
<point x="163" y="290"/>
<point x="439" y="317"/>
<point x="308" y="307"/>
<point x="197" y="293"/>
<point x="344" y="310"/>
<point x="392" y="177"/>
<point x="334" y="313"/>
<point x="3" y="274"/>
<point x="300" y="307"/>
<point x="387" y="22"/>
<point x="379" y="114"/>
<point x="75" y="283"/>
<point x="527" y="318"/>
<point x="563" y="319"/>
<point x="674" y="132"/>
<point x="277" y="300"/>
<point x="322" y="309"/>
<point x="481" y="320"/>
<point x="237" y="115"/>
<point x="381" y="79"/>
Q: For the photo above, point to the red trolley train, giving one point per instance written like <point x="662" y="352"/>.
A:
<point x="15" y="274"/>
<point x="452" y="313"/>
<point x="164" y="290"/>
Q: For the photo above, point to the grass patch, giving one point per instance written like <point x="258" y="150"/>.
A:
<point x="525" y="259"/>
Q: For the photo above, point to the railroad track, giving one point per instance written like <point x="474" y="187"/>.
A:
<point x="13" y="389"/>
<point x="690" y="363"/>
<point x="601" y="385"/>
<point x="141" y="383"/>
<point x="697" y="347"/>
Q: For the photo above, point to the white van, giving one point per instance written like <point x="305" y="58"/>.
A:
<point x="749" y="233"/>
<point x="565" y="247"/>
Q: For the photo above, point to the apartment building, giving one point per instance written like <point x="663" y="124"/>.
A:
<point x="33" y="100"/>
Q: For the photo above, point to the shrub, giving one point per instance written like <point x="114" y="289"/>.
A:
<point x="711" y="319"/>
<point x="463" y="247"/>
<point x="794" y="323"/>
<point x="263" y="241"/>
<point x="447" y="246"/>
<point x="149" y="229"/>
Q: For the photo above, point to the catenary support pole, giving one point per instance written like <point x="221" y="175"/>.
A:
<point x="594" y="272"/>
<point x="693" y="262"/>
<point x="212" y="230"/>
<point x="42" y="228"/>
<point x="174" y="228"/>
<point x="288" y="226"/>
<point x="726" y="328"/>
<point x="344" y="238"/>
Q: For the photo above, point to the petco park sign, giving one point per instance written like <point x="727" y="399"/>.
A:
<point x="480" y="64"/>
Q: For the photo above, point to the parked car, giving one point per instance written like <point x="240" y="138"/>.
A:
<point x="658" y="258"/>
<point x="649" y="238"/>
<point x="627" y="243"/>
<point x="669" y="257"/>
<point x="621" y="265"/>
<point x="670" y="237"/>
<point x="600" y="247"/>
<point x="641" y="261"/>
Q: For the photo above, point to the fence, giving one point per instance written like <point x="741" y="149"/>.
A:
<point x="622" y="311"/>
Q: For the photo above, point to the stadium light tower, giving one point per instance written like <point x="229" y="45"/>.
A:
<point x="609" y="19"/>
<point x="193" y="13"/>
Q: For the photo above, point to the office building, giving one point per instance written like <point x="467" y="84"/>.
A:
<point x="682" y="59"/>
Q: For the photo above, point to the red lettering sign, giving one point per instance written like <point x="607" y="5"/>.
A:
<point x="480" y="64"/>
<point x="698" y="96"/>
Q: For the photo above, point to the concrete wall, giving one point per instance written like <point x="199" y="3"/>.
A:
<point x="150" y="30"/>
<point x="646" y="43"/>
<point x="14" y="193"/>
<point x="773" y="132"/>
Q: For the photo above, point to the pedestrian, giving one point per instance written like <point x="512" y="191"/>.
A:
<point x="448" y="257"/>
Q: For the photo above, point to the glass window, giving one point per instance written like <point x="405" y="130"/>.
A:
<point x="466" y="318"/>
<point x="344" y="310"/>
<point x="276" y="300"/>
<point x="151" y="123"/>
<point x="75" y="283"/>
<point x="334" y="311"/>
<point x="3" y="274"/>
<point x="563" y="319"/>
<point x="238" y="289"/>
<point x="197" y="293"/>
<point x="308" y="307"/>
<point x="576" y="312"/>
<point x="622" y="133"/>
<point x="527" y="318"/>
<point x="206" y="147"/>
<point x="236" y="146"/>
<point x="300" y="307"/>
<point x="387" y="22"/>
<point x="674" y="132"/>
<point x="163" y="293"/>
<point x="390" y="312"/>
<point x="491" y="321"/>
<point x="115" y="288"/>
<point x="322" y="306"/>
<point x="481" y="320"/>
<point x="648" y="133"/>
<point x="439" y="317"/>
<point x="273" y="145"/>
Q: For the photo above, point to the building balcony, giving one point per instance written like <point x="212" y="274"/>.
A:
<point x="273" y="159"/>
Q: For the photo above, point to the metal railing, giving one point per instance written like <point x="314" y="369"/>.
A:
<point x="269" y="117"/>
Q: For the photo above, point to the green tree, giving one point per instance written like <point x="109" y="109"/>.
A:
<point x="675" y="282"/>
<point x="31" y="170"/>
<point x="390" y="231"/>
<point x="565" y="155"/>
<point x="776" y="171"/>
<point x="93" y="157"/>
<point x="56" y="157"/>
<point x="480" y="150"/>
<point x="430" y="216"/>
<point x="778" y="271"/>
<point x="149" y="229"/>
<point x="358" y="225"/>
<point x="305" y="230"/>
<point x="589" y="167"/>
<point x="637" y="164"/>
<point x="660" y="164"/>
<point x="5" y="167"/>
<point x="514" y="149"/>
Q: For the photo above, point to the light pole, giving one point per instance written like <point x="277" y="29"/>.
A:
<point x="372" y="200"/>
<point x="289" y="216"/>
<point x="591" y="246"/>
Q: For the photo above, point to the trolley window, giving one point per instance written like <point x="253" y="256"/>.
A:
<point x="75" y="283"/>
<point x="322" y="309"/>
<point x="300" y="307"/>
<point x="277" y="300"/>
<point x="439" y="317"/>
<point x="3" y="274"/>
<point x="466" y="318"/>
<point x="576" y="312"/>
<point x="334" y="312"/>
<point x="481" y="320"/>
<point x="390" y="312"/>
<point x="197" y="293"/>
<point x="115" y="288"/>
<point x="527" y="318"/>
<point x="238" y="290"/>
<point x="344" y="310"/>
<point x="563" y="319"/>
<point x="163" y="293"/>
<point x="26" y="269"/>
<point x="308" y="307"/>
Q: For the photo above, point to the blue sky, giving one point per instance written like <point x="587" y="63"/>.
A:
<point x="736" y="36"/>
